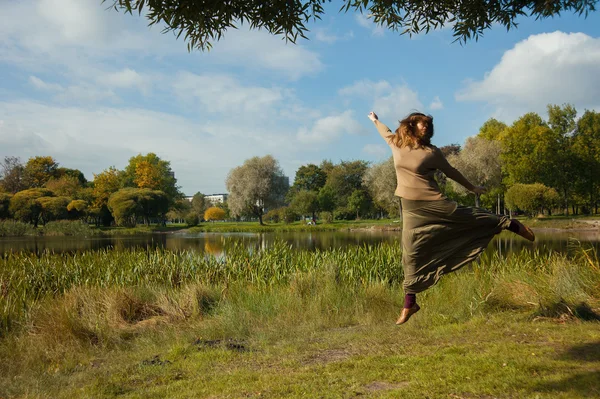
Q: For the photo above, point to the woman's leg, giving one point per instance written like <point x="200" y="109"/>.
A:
<point x="410" y="308"/>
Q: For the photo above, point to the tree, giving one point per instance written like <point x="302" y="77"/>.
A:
<point x="345" y="178"/>
<point x="531" y="198"/>
<point x="586" y="147"/>
<point x="258" y="184"/>
<point x="53" y="208"/>
<point x="326" y="198"/>
<point x="77" y="208"/>
<point x="25" y="205"/>
<point x="199" y="203"/>
<point x="38" y="171"/>
<point x="105" y="184"/>
<point x="129" y="205"/>
<point x="214" y="213"/>
<point x="66" y="185"/>
<point x="11" y="175"/>
<point x="563" y="168"/>
<point x="75" y="173"/>
<point x="203" y="22"/>
<point x="380" y="179"/>
<point x="492" y="129"/>
<point x="359" y="202"/>
<point x="306" y="202"/>
<point x="4" y="205"/>
<point x="309" y="177"/>
<point x="151" y="172"/>
<point x="479" y="162"/>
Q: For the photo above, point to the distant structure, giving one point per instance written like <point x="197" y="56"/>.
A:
<point x="212" y="198"/>
<point x="216" y="198"/>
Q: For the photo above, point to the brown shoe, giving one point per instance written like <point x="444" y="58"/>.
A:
<point x="406" y="313"/>
<point x="524" y="231"/>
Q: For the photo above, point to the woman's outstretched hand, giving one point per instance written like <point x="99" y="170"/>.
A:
<point x="373" y="116"/>
<point x="479" y="190"/>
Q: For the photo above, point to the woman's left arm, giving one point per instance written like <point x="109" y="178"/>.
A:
<point x="443" y="165"/>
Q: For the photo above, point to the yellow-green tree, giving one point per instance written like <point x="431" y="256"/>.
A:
<point x="39" y="170"/>
<point x="104" y="185"/>
<point x="65" y="185"/>
<point x="4" y="205"/>
<point x="151" y="172"/>
<point x="25" y="205"/>
<point x="53" y="208"/>
<point x="214" y="213"/>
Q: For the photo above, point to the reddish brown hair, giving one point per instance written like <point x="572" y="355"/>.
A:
<point x="407" y="134"/>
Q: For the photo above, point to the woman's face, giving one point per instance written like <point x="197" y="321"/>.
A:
<point x="422" y="127"/>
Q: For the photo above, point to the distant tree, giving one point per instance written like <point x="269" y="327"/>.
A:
<point x="4" y="205"/>
<point x="25" y="205"/>
<point x="380" y="179"/>
<point x="129" y="205"/>
<point x="479" y="161"/>
<point x="326" y="198"/>
<point x="77" y="208"/>
<point x="39" y="170"/>
<point x="66" y="185"/>
<point x="151" y="172"/>
<point x="179" y="210"/>
<point x="531" y="198"/>
<point x="53" y="208"/>
<point x="345" y="178"/>
<point x="192" y="219"/>
<point x="306" y="202"/>
<point x="214" y="213"/>
<point x="75" y="173"/>
<point x="359" y="202"/>
<point x="492" y="129"/>
<point x="199" y="203"/>
<point x="309" y="177"/>
<point x="202" y="23"/>
<point x="105" y="184"/>
<point x="11" y="175"/>
<point x="258" y="184"/>
<point x="586" y="148"/>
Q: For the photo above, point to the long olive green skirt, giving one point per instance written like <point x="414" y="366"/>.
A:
<point x="439" y="237"/>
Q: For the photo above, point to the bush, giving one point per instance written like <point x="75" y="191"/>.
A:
<point x="192" y="219"/>
<point x="12" y="228"/>
<point x="344" y="214"/>
<point x="288" y="215"/>
<point x="273" y="216"/>
<point x="67" y="228"/>
<point x="214" y="213"/>
<point x="327" y="217"/>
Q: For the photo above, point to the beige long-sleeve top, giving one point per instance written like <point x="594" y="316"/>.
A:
<point x="415" y="169"/>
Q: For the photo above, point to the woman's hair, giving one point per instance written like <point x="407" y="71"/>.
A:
<point x="407" y="134"/>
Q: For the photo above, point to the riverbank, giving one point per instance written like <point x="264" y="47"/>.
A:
<point x="80" y="229"/>
<point x="288" y="324"/>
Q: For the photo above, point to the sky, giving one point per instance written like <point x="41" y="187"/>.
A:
<point x="93" y="87"/>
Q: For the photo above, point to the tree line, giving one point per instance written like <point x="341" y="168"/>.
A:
<point x="534" y="166"/>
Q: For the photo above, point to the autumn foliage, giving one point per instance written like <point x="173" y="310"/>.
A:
<point x="214" y="213"/>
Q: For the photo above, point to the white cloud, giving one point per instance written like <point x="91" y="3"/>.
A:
<point x="547" y="68"/>
<point x="263" y="51"/>
<point x="125" y="78"/>
<point x="330" y="128"/>
<point x="201" y="153"/>
<point x="366" y="22"/>
<point x="224" y="94"/>
<point x="436" y="104"/>
<point x="322" y="36"/>
<point x="41" y="85"/>
<point x="376" y="150"/>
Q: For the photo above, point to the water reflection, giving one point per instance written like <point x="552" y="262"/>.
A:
<point x="215" y="243"/>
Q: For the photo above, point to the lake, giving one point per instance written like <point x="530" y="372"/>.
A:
<point x="214" y="243"/>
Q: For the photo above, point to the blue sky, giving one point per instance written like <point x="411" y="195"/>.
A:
<point x="93" y="87"/>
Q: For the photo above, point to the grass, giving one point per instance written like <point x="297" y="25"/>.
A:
<point x="281" y="324"/>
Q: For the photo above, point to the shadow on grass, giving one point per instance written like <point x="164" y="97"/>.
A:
<point x="584" y="384"/>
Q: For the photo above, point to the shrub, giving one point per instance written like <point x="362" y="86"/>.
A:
<point x="67" y="228"/>
<point x="214" y="213"/>
<point x="192" y="219"/>
<point x="288" y="215"/>
<point x="12" y="228"/>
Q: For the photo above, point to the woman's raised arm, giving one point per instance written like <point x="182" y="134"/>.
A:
<point x="383" y="130"/>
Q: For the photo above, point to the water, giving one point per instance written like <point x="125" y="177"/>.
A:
<point x="213" y="243"/>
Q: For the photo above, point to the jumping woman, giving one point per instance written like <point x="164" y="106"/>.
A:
<point x="438" y="235"/>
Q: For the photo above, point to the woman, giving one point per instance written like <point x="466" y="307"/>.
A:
<point x="438" y="236"/>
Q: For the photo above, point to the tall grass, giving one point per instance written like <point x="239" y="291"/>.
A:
<point x="55" y="307"/>
<point x="67" y="228"/>
<point x="13" y="228"/>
